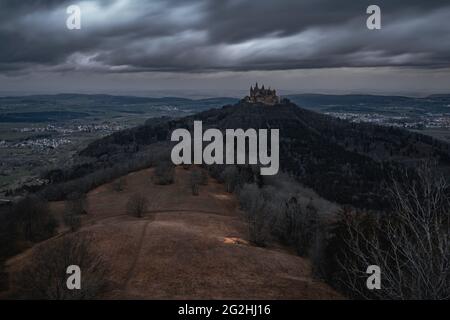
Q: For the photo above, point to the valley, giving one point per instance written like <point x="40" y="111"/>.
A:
<point x="41" y="133"/>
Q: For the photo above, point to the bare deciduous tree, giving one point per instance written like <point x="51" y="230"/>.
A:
<point x="33" y="219"/>
<point x="164" y="173"/>
<point x="44" y="275"/>
<point x="75" y="206"/>
<point x="231" y="177"/>
<point x="306" y="224"/>
<point x="203" y="177"/>
<point x="71" y="220"/>
<point x="195" y="180"/>
<point x="410" y="244"/>
<point x="77" y="203"/>
<point x="119" y="185"/>
<point x="137" y="205"/>
<point x="257" y="213"/>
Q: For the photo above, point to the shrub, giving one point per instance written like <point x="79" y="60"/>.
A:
<point x="137" y="205"/>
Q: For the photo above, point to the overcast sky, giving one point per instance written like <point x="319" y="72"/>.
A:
<point x="220" y="47"/>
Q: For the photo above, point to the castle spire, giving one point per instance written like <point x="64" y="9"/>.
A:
<point x="262" y="96"/>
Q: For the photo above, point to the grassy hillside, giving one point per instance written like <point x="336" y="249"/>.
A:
<point x="184" y="246"/>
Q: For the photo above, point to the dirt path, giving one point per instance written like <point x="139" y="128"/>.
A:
<point x="137" y="254"/>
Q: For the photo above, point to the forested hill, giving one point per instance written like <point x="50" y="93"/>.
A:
<point x="344" y="162"/>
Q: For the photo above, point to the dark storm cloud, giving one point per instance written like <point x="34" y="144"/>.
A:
<point x="208" y="35"/>
<point x="240" y="20"/>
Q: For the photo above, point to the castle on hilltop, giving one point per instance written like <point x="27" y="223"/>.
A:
<point x="262" y="96"/>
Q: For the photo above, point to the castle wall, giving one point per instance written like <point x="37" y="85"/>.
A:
<point x="263" y="96"/>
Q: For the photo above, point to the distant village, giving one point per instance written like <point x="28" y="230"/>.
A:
<point x="428" y="121"/>
<point x="63" y="135"/>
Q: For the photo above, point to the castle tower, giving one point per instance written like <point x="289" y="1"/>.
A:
<point x="262" y="96"/>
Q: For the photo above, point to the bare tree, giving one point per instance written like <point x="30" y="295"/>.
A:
<point x="33" y="220"/>
<point x="306" y="224"/>
<point x="195" y="180"/>
<point x="77" y="203"/>
<point x="137" y="205"/>
<point x="119" y="184"/>
<point x="257" y="213"/>
<point x="72" y="220"/>
<point x="231" y="177"/>
<point x="75" y="206"/>
<point x="247" y="195"/>
<point x="203" y="177"/>
<point x="410" y="244"/>
<point x="164" y="173"/>
<point x="317" y="252"/>
<point x="44" y="275"/>
<point x="258" y="222"/>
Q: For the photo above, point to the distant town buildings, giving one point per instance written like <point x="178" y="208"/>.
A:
<point x="426" y="121"/>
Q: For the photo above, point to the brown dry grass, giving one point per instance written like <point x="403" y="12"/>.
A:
<point x="194" y="248"/>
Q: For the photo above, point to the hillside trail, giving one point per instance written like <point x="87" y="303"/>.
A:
<point x="185" y="246"/>
<point x="132" y="268"/>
